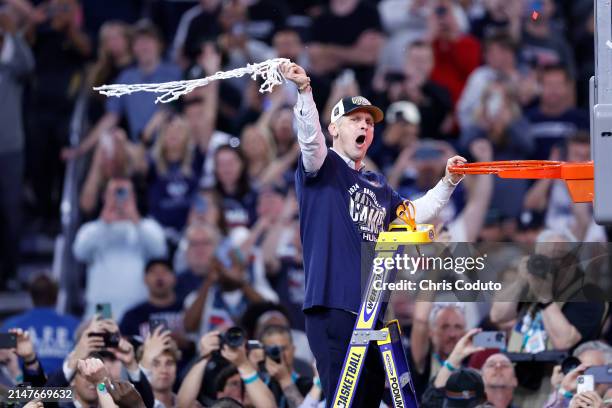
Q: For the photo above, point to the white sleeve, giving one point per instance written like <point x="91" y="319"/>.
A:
<point x="88" y="238"/>
<point x="310" y="136"/>
<point x="152" y="238"/>
<point x="429" y="206"/>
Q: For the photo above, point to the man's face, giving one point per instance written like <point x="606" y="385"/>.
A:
<point x="594" y="358"/>
<point x="85" y="391"/>
<point x="270" y="203"/>
<point x="284" y="342"/>
<point x="164" y="373"/>
<point x="282" y="127"/>
<point x="232" y="389"/>
<point x="578" y="152"/>
<point x="447" y="23"/>
<point x="499" y="57"/>
<point x="498" y="371"/>
<point x="200" y="249"/>
<point x="447" y="329"/>
<point x="555" y="89"/>
<point x="287" y="44"/>
<point x="160" y="280"/>
<point x="419" y="62"/>
<point x="146" y="49"/>
<point x="353" y="134"/>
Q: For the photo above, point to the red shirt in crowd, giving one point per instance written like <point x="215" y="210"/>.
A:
<point x="454" y="62"/>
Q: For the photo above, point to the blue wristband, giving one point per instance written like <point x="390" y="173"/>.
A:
<point x="449" y="366"/>
<point x="317" y="382"/>
<point x="566" y="394"/>
<point x="250" y="379"/>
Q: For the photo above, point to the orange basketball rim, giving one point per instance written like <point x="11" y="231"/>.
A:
<point x="578" y="177"/>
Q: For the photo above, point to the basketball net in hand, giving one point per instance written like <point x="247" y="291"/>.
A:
<point x="268" y="70"/>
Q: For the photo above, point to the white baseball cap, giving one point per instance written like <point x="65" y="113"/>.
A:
<point x="403" y="110"/>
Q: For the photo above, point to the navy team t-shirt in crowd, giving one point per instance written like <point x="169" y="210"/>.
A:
<point x="339" y="209"/>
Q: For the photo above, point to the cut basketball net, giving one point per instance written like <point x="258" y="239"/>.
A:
<point x="578" y="177"/>
<point x="268" y="70"/>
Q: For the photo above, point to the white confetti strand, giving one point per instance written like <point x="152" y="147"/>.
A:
<point x="268" y="70"/>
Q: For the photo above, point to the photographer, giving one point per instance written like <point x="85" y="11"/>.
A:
<point x="559" y="319"/>
<point x="116" y="247"/>
<point x="564" y="378"/>
<point x="231" y="347"/>
<point x="278" y="372"/>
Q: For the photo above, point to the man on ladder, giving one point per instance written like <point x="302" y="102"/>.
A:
<point x="340" y="206"/>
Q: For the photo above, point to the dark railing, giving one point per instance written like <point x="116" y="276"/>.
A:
<point x="66" y="269"/>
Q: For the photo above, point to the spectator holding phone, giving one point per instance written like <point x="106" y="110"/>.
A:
<point x="436" y="329"/>
<point x="116" y="247"/>
<point x="564" y="378"/>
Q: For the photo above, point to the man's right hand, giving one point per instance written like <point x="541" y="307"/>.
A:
<point x="294" y="73"/>
<point x="569" y="381"/>
<point x="464" y="348"/>
<point x="209" y="342"/>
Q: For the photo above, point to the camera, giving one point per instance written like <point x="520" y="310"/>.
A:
<point x="274" y="352"/>
<point x="568" y="364"/>
<point x="539" y="265"/>
<point x="234" y="337"/>
<point x="111" y="340"/>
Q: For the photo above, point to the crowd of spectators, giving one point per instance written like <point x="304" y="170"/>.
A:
<point x="190" y="216"/>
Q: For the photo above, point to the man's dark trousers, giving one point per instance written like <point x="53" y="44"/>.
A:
<point x="329" y="333"/>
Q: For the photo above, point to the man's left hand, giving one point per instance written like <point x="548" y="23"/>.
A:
<point x="454" y="161"/>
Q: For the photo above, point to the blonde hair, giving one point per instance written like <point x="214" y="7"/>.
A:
<point x="159" y="154"/>
<point x="102" y="68"/>
<point x="266" y="137"/>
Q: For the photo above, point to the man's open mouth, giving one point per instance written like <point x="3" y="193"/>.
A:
<point x="360" y="139"/>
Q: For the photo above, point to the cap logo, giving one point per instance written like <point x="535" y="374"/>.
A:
<point x="360" y="100"/>
<point x="336" y="111"/>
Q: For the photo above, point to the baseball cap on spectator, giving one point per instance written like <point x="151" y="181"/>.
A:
<point x="530" y="220"/>
<point x="464" y="389"/>
<point x="157" y="261"/>
<point x="353" y="103"/>
<point x="403" y="111"/>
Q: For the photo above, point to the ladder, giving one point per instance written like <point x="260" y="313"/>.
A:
<point x="388" y="338"/>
